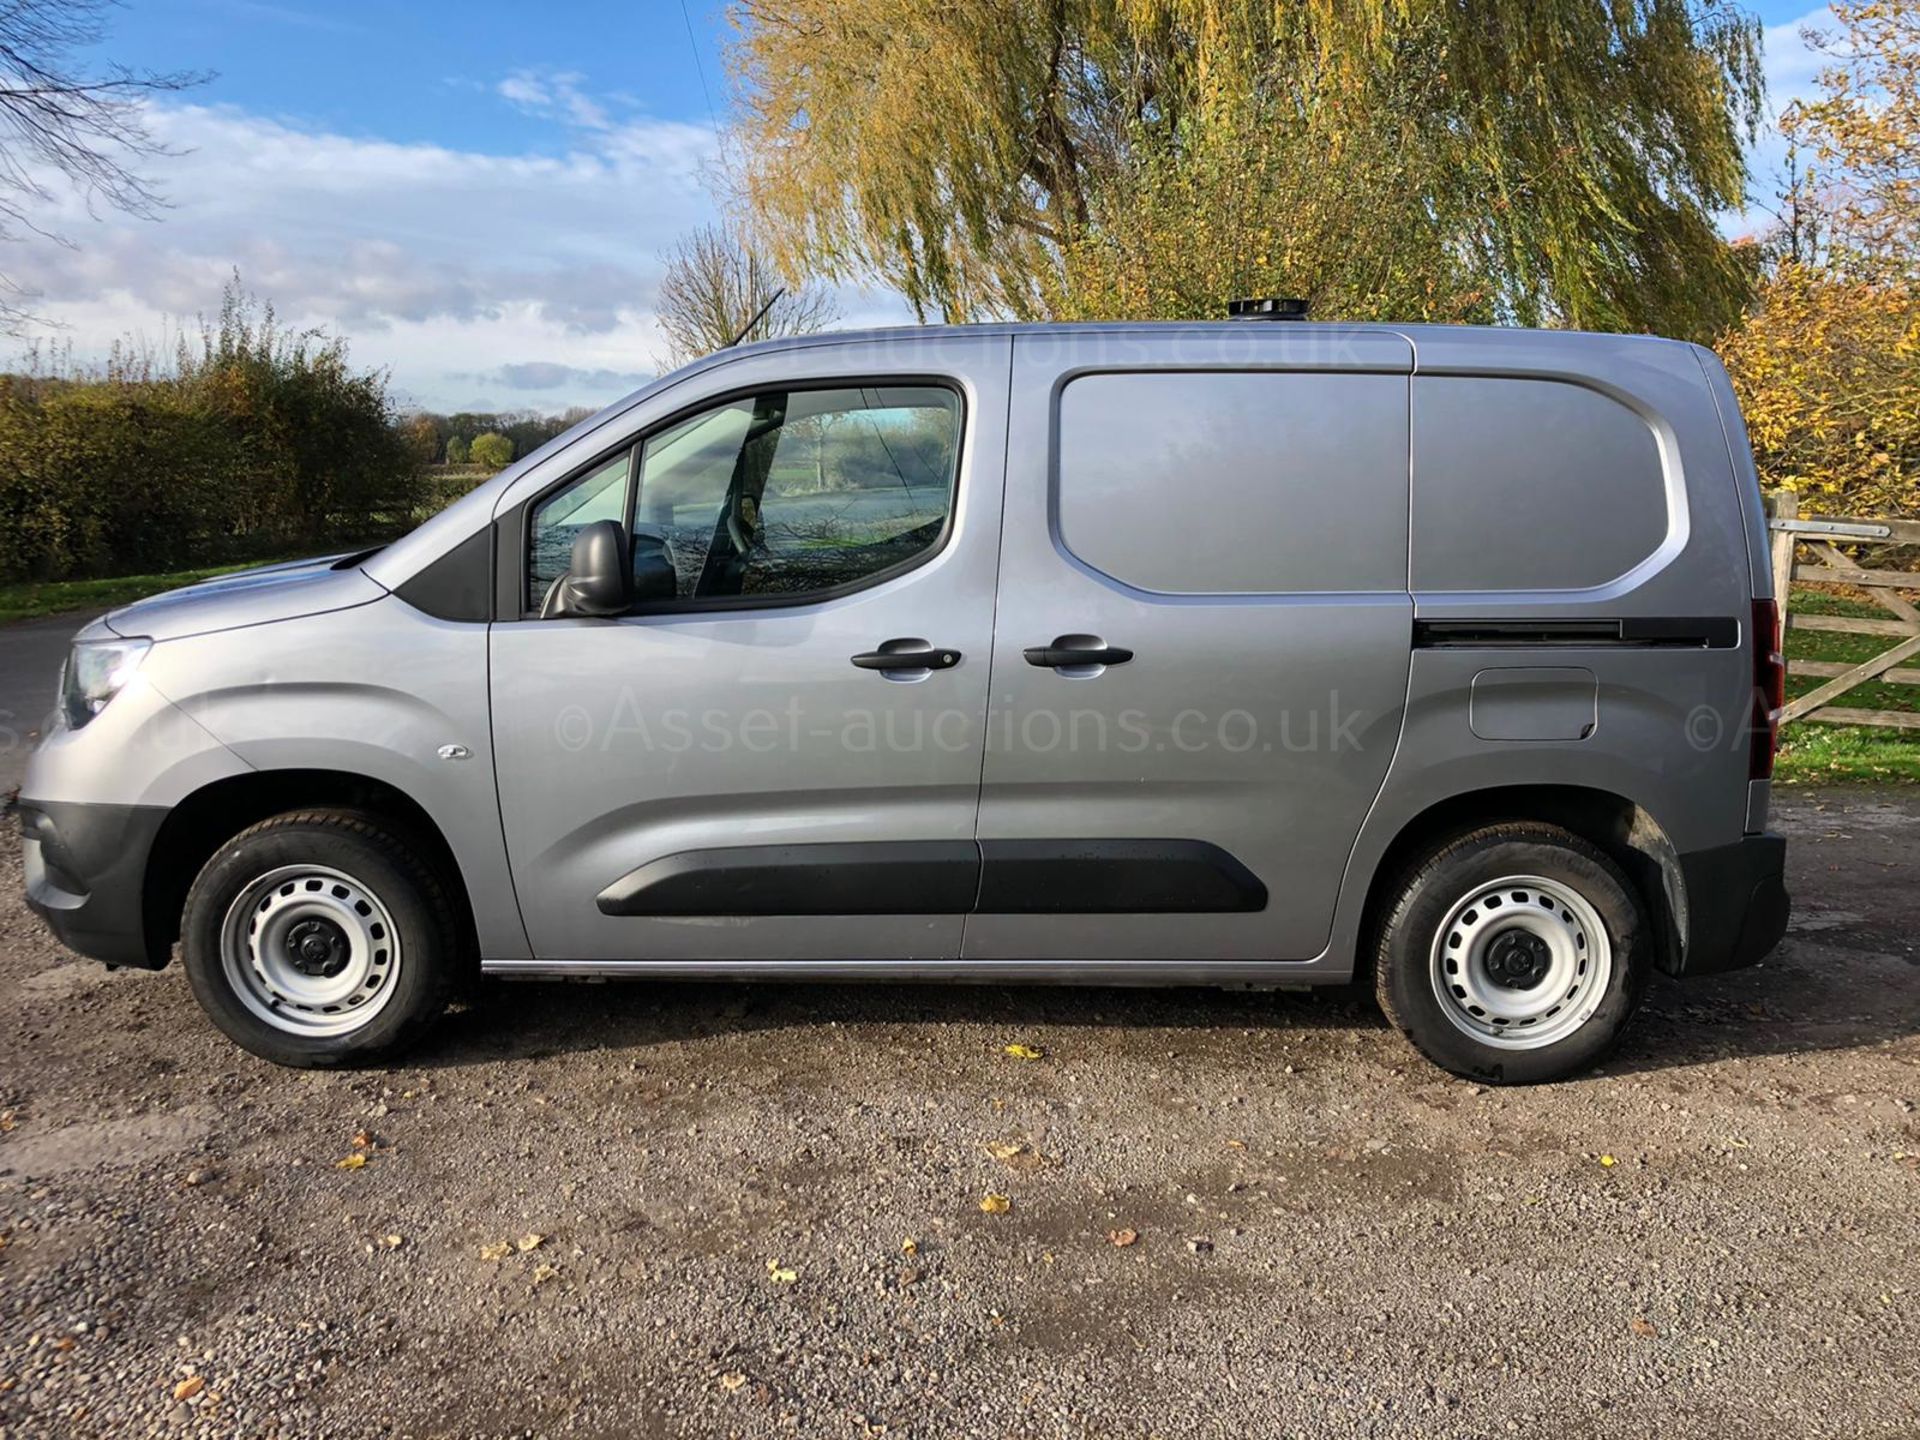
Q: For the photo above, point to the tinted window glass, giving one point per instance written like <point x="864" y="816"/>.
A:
<point x="1530" y="485"/>
<point x="601" y="494"/>
<point x="1232" y="483"/>
<point x="798" y="492"/>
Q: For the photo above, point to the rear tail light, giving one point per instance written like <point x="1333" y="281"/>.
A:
<point x="1769" y="689"/>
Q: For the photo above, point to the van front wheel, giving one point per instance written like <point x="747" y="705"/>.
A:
<point x="1514" y="954"/>
<point x="320" y="938"/>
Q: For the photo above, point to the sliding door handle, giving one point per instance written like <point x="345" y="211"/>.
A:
<point x="1061" y="656"/>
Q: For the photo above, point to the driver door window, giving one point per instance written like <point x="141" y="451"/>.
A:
<point x="787" y="495"/>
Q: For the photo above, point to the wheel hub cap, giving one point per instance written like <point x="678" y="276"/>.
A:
<point x="1518" y="960"/>
<point x="317" y="948"/>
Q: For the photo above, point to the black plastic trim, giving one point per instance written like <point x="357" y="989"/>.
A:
<point x="1737" y="904"/>
<point x="88" y="876"/>
<point x="457" y="586"/>
<point x="929" y="877"/>
<point x="1710" y="632"/>
<point x="942" y="877"/>
<point x="1114" y="877"/>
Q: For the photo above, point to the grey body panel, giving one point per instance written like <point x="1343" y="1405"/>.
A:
<point x="246" y="598"/>
<point x="1259" y="723"/>
<point x="376" y="690"/>
<point x="624" y="742"/>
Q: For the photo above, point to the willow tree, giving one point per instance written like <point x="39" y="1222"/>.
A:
<point x="1535" y="161"/>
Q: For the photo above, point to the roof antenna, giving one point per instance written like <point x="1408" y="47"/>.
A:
<point x="1274" y="307"/>
<point x="758" y="316"/>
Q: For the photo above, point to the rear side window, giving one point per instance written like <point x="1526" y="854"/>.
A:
<point x="1211" y="482"/>
<point x="1530" y="485"/>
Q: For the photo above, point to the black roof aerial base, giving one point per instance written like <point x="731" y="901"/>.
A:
<point x="1270" y="307"/>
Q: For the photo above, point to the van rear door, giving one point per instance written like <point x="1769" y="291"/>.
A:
<point x="1201" y="644"/>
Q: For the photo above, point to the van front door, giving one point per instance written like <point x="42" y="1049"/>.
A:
<point x="1202" y="643"/>
<point x="776" y="757"/>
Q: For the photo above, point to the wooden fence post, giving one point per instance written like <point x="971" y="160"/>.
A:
<point x="1786" y="506"/>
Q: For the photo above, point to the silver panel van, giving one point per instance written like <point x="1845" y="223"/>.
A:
<point x="1235" y="654"/>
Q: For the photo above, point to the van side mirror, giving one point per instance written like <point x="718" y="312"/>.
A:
<point x="599" y="581"/>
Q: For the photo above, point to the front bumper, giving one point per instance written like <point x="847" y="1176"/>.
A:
<point x="86" y="869"/>
<point x="1736" y="904"/>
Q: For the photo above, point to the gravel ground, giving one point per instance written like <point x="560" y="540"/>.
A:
<point x="715" y="1211"/>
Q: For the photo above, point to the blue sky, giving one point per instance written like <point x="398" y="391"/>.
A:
<point x="478" y="195"/>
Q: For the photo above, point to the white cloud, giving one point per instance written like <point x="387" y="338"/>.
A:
<point x="443" y="264"/>
<point x="555" y="95"/>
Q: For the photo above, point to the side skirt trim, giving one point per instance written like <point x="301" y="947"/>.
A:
<point x="1321" y="970"/>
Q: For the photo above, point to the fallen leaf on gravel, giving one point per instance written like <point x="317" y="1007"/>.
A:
<point x="732" y="1381"/>
<point x="909" y="1246"/>
<point x="996" y="1204"/>
<point x="392" y="1242"/>
<point x="1642" y="1327"/>
<point x="529" y="1241"/>
<point x="64" y="1343"/>
<point x="543" y="1273"/>
<point x="1025" y="1052"/>
<point x="1236" y="1144"/>
<point x="355" y="1161"/>
<point x="779" y="1274"/>
<point x="189" y="1387"/>
<point x="363" y="1141"/>
<point x="1123" y="1238"/>
<point x="3" y="1241"/>
<point x="496" y="1252"/>
<point x="1608" y="1161"/>
<point x="9" y="1120"/>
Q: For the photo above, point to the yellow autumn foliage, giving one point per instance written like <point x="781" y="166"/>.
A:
<point x="1828" y="373"/>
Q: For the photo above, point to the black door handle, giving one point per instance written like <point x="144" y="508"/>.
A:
<point x="908" y="659"/>
<point x="1061" y="657"/>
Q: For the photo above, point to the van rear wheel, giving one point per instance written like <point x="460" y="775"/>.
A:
<point x="1513" y="954"/>
<point x="320" y="938"/>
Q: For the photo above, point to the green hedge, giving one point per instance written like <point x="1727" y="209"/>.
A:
<point x="251" y="443"/>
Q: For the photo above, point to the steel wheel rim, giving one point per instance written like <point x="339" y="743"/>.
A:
<point x="271" y="951"/>
<point x="1538" y="985"/>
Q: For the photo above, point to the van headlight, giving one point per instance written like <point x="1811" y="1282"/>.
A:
<point x="96" y="671"/>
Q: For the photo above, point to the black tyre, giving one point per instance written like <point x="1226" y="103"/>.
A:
<point x="321" y="938"/>
<point x="1514" y="954"/>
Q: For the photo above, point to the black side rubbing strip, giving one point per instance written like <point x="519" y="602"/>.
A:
<point x="1710" y="632"/>
<point x="941" y="877"/>
<point x="1114" y="877"/>
<point x="929" y="877"/>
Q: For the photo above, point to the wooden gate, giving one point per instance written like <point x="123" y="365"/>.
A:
<point x="1795" y="535"/>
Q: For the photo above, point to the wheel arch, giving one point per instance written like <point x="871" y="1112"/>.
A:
<point x="1625" y="830"/>
<point x="208" y="817"/>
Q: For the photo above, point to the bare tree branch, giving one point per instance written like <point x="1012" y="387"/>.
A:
<point x="714" y="286"/>
<point x="62" y="125"/>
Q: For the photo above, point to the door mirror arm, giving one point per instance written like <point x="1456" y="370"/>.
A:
<point x="599" y="579"/>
